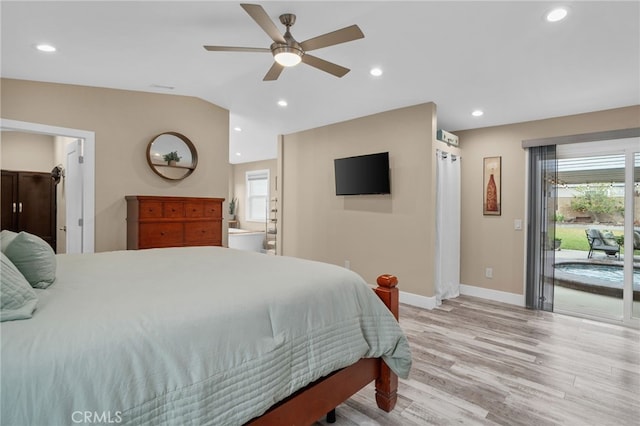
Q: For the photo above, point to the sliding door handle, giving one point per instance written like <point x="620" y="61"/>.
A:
<point x="19" y="207"/>
<point x="14" y="207"/>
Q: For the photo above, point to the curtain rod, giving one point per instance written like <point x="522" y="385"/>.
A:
<point x="633" y="132"/>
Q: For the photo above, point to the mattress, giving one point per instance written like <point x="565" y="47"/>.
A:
<point x="194" y="335"/>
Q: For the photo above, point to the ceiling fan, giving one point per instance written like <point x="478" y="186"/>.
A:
<point x="286" y="51"/>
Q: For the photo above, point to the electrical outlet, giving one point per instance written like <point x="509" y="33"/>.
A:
<point x="347" y="264"/>
<point x="488" y="272"/>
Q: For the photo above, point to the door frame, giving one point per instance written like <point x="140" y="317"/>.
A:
<point x="88" y="176"/>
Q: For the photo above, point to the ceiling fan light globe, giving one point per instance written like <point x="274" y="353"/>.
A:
<point x="287" y="56"/>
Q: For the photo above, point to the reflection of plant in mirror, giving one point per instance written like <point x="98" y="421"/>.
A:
<point x="172" y="156"/>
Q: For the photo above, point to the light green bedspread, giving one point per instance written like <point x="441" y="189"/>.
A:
<point x="200" y="335"/>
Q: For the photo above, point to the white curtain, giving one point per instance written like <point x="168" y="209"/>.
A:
<point x="447" y="270"/>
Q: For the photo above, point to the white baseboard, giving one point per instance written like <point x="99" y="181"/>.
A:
<point x="426" y="302"/>
<point x="418" y="300"/>
<point x="497" y="295"/>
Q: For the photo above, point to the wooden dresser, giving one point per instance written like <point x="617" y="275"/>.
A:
<point x="154" y="222"/>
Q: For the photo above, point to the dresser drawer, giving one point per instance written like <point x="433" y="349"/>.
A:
<point x="150" y="209"/>
<point x="194" y="209"/>
<point x="207" y="233"/>
<point x="161" y="235"/>
<point x="213" y="209"/>
<point x="173" y="209"/>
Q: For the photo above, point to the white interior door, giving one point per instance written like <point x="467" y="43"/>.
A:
<point x="74" y="198"/>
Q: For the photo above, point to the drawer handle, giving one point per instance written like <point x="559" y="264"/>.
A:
<point x="162" y="233"/>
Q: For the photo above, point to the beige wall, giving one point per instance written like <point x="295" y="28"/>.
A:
<point x="27" y="152"/>
<point x="491" y="241"/>
<point x="239" y="189"/>
<point x="124" y="122"/>
<point x="376" y="233"/>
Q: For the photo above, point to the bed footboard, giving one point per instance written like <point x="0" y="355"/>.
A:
<point x="314" y="401"/>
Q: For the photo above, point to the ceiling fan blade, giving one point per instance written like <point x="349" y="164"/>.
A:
<point x="236" y="49"/>
<point x="274" y="72"/>
<point x="336" y="37"/>
<point x="323" y="65"/>
<point x="260" y="16"/>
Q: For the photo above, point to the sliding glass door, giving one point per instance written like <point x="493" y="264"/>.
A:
<point x="589" y="272"/>
<point x="596" y="269"/>
<point x="583" y="239"/>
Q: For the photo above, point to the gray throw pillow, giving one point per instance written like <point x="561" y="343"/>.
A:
<point x="34" y="258"/>
<point x="18" y="298"/>
<point x="6" y="237"/>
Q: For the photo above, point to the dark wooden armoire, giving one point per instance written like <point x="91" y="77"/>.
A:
<point x="28" y="203"/>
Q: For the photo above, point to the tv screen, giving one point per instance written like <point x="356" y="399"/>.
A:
<point x="364" y="174"/>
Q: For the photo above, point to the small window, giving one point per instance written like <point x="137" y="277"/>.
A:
<point x="257" y="195"/>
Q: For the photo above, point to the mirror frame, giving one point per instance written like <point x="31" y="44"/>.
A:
<point x="192" y="149"/>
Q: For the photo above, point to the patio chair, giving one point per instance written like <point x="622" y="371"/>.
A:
<point x="598" y="241"/>
<point x="636" y="240"/>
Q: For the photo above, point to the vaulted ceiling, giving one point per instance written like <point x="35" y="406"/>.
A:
<point x="501" y="57"/>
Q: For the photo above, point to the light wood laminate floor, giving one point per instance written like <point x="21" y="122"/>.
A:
<point x="477" y="362"/>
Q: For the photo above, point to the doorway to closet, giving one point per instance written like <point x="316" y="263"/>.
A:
<point x="80" y="179"/>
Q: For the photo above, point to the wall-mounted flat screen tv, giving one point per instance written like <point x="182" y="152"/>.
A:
<point x="364" y="174"/>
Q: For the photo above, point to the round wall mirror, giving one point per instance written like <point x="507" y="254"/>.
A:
<point x="172" y="156"/>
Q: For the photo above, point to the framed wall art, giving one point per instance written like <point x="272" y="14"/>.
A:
<point x="492" y="184"/>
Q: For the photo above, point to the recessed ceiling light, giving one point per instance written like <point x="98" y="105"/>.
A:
<point x="557" y="14"/>
<point x="237" y="129"/>
<point x="46" y="48"/>
<point x="282" y="103"/>
<point x="477" y="113"/>
<point x="376" y="72"/>
<point x="238" y="154"/>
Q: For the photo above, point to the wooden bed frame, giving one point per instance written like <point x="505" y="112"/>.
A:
<point x="311" y="403"/>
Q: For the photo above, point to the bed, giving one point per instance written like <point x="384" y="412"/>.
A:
<point x="199" y="335"/>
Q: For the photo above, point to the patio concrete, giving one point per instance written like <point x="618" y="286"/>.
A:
<point x="599" y="257"/>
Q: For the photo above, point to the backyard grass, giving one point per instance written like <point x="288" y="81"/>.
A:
<point x="572" y="238"/>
